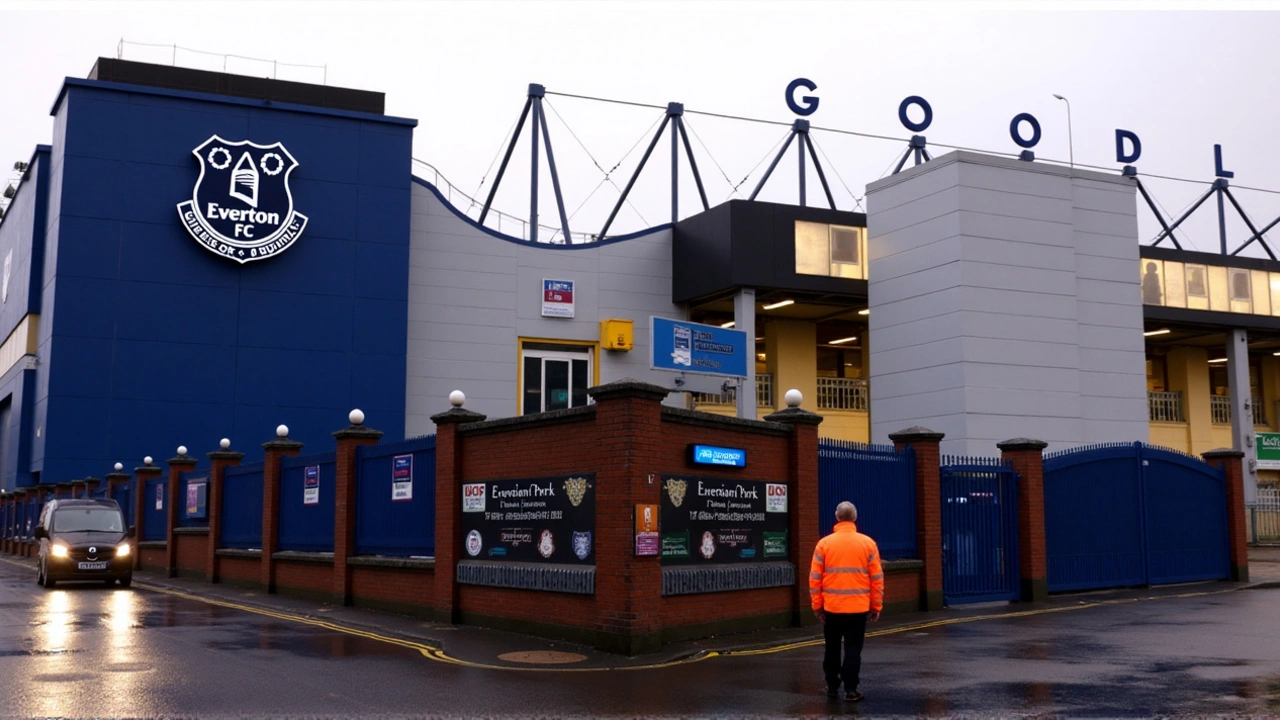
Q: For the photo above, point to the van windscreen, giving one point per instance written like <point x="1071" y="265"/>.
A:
<point x="97" y="519"/>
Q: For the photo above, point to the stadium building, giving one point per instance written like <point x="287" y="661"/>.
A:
<point x="200" y="255"/>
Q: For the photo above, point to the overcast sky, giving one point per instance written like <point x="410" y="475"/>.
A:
<point x="1182" y="80"/>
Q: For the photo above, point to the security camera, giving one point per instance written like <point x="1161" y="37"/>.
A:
<point x="10" y="191"/>
<point x="20" y="166"/>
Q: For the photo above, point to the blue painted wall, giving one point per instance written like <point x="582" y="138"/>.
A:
<point x="22" y="239"/>
<point x="149" y="341"/>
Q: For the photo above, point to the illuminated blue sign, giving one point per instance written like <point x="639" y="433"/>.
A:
<point x="712" y="455"/>
<point x="697" y="348"/>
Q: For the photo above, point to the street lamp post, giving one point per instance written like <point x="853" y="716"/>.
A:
<point x="1070" y="142"/>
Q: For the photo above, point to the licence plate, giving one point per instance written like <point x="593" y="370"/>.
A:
<point x="93" y="565"/>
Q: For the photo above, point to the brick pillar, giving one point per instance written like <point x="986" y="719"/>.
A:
<point x="925" y="443"/>
<point x="140" y="499"/>
<point x="64" y="490"/>
<point x="344" y="502"/>
<point x="803" y="521"/>
<point x="628" y="588"/>
<point x="274" y="451"/>
<point x="1026" y="457"/>
<point x="180" y="463"/>
<point x="91" y="483"/>
<point x="444" y="602"/>
<point x="219" y="461"/>
<point x="115" y="480"/>
<point x="78" y="489"/>
<point x="7" y="500"/>
<point x="1237" y="538"/>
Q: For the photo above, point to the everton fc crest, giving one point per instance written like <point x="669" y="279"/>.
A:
<point x="582" y="544"/>
<point x="242" y="207"/>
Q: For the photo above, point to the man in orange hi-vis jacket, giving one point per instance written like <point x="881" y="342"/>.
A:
<point x="846" y="586"/>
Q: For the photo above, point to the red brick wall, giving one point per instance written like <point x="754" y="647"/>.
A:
<point x="239" y="569"/>
<point x="411" y="587"/>
<point x="531" y="605"/>
<point x="903" y="586"/>
<point x="711" y="607"/>
<point x="304" y="576"/>
<point x="191" y="552"/>
<point x="152" y="558"/>
<point x="624" y="442"/>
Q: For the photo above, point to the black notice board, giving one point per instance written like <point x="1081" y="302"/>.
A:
<point x="549" y="519"/>
<point x="718" y="520"/>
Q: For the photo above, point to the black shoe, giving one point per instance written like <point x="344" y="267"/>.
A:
<point x="833" y="692"/>
<point x="853" y="696"/>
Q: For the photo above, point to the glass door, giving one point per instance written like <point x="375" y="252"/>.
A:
<point x="555" y="379"/>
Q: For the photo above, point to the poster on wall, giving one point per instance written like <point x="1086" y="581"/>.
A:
<point x="160" y="497"/>
<point x="557" y="298"/>
<point x="647" y="540"/>
<point x="719" y="520"/>
<point x="311" y="485"/>
<point x="544" y="520"/>
<point x="1268" y="449"/>
<point x="401" y="478"/>
<point x="197" y="495"/>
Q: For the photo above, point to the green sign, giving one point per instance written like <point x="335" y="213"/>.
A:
<point x="775" y="544"/>
<point x="675" y="545"/>
<point x="1268" y="447"/>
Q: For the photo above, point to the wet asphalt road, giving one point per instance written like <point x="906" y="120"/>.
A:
<point x="89" y="651"/>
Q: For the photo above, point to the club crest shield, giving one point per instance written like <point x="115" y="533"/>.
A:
<point x="242" y="207"/>
<point x="582" y="544"/>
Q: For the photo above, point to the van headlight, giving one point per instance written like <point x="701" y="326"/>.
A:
<point x="122" y="550"/>
<point x="58" y="550"/>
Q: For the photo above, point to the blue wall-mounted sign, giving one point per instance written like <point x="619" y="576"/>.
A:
<point x="693" y="347"/>
<point x="712" y="455"/>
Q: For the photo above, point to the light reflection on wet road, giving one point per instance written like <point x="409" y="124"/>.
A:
<point x="93" y="651"/>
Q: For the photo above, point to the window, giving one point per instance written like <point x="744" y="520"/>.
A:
<point x="830" y="250"/>
<point x="555" y="376"/>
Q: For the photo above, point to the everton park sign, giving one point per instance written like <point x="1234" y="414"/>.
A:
<point x="241" y="207"/>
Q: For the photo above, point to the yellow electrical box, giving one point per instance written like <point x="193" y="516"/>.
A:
<point x="616" y="334"/>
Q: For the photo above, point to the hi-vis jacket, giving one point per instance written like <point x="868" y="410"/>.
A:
<point x="845" y="576"/>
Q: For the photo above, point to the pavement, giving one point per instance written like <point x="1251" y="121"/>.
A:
<point x="480" y="647"/>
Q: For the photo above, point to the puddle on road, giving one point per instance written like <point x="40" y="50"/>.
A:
<point x="37" y="653"/>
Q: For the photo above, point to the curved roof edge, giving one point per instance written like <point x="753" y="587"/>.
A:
<point x="525" y="243"/>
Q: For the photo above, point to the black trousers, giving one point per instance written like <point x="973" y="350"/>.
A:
<point x="851" y="628"/>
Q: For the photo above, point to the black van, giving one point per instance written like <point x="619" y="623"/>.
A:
<point x="84" y="540"/>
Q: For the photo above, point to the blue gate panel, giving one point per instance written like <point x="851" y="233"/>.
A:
<point x="386" y="522"/>
<point x="1133" y="514"/>
<point x="979" y="531"/>
<point x="304" y="526"/>
<point x="1092" y="518"/>
<point x="1186" y="518"/>
<point x="881" y="482"/>
<point x="155" y="516"/>
<point x="242" y="507"/>
<point x="123" y="495"/>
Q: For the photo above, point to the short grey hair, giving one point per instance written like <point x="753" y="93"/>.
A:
<point x="846" y="512"/>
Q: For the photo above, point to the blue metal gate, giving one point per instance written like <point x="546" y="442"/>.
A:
<point x="1133" y="514"/>
<point x="979" y="530"/>
<point x="881" y="482"/>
